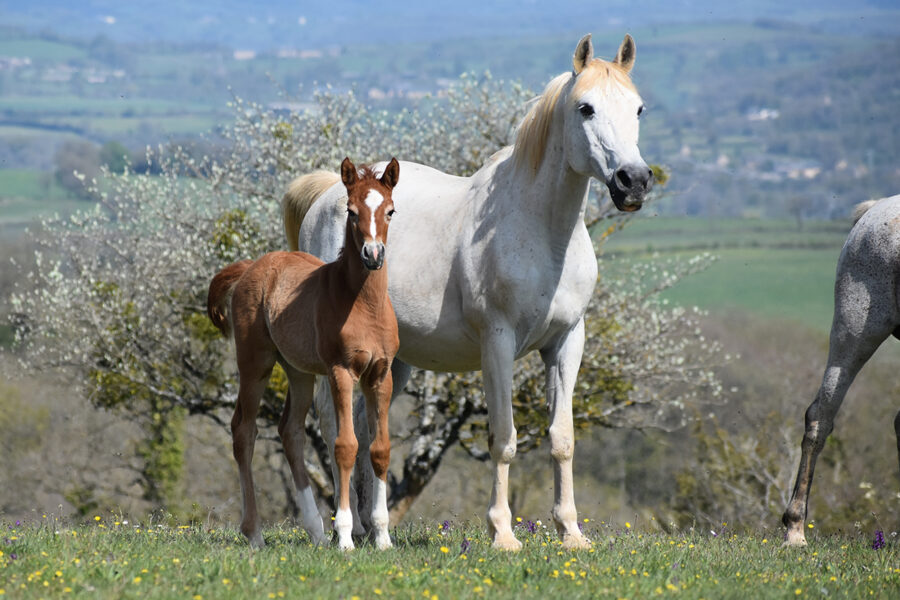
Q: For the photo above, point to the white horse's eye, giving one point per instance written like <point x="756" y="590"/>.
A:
<point x="640" y="110"/>
<point x="586" y="110"/>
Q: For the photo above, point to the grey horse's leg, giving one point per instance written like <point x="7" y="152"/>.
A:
<point x="897" y="431"/>
<point x="861" y="323"/>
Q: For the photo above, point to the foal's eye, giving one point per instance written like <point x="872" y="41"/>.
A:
<point x="352" y="215"/>
<point x="390" y="214"/>
<point x="586" y="110"/>
<point x="640" y="110"/>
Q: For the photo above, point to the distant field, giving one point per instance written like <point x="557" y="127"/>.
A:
<point x="26" y="195"/>
<point x="769" y="268"/>
<point x="41" y="49"/>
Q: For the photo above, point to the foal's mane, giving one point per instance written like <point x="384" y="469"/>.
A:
<point x="531" y="138"/>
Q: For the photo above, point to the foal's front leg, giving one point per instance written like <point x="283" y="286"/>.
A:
<point x="345" y="447"/>
<point x="377" y="388"/>
<point x="561" y="362"/>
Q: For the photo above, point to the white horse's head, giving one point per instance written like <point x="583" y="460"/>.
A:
<point x="601" y="124"/>
<point x="597" y="107"/>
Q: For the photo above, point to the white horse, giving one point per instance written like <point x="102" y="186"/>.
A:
<point x="499" y="264"/>
<point x="866" y="312"/>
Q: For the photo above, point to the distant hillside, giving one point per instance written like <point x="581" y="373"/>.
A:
<point x="287" y="23"/>
<point x="761" y="118"/>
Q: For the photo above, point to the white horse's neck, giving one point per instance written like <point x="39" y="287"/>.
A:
<point x="555" y="196"/>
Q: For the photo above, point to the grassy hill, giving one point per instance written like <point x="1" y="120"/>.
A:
<point x="765" y="267"/>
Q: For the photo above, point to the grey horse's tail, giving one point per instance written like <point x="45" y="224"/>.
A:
<point x="301" y="194"/>
<point x="860" y="209"/>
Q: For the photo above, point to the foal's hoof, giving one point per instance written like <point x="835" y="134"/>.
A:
<point x="576" y="542"/>
<point x="507" y="542"/>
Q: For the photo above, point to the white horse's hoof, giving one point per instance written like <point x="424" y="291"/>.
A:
<point x="576" y="542"/>
<point x="383" y="541"/>
<point x="507" y="542"/>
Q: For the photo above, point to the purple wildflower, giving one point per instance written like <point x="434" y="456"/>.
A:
<point x="18" y="523"/>
<point x="531" y="526"/>
<point x="13" y="556"/>
<point x="580" y="527"/>
<point x="445" y="526"/>
<point x="464" y="547"/>
<point x="878" y="544"/>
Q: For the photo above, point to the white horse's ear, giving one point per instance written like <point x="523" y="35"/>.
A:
<point x="348" y="172"/>
<point x="625" y="55"/>
<point x="584" y="53"/>
<point x="391" y="174"/>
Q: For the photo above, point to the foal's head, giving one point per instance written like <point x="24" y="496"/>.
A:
<point x="369" y="210"/>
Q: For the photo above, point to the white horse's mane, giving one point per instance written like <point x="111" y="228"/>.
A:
<point x="531" y="137"/>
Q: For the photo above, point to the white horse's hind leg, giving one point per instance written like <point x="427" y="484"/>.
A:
<point x="861" y="324"/>
<point x="293" y="438"/>
<point x="497" y="355"/>
<point x="561" y="362"/>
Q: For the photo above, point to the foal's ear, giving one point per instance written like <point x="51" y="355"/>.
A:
<point x="625" y="55"/>
<point x="348" y="173"/>
<point x="584" y="53"/>
<point x="391" y="174"/>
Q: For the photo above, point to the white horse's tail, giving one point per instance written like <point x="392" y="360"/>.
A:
<point x="860" y="209"/>
<point x="301" y="194"/>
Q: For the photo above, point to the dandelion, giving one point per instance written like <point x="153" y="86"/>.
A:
<point x="878" y="543"/>
<point x="445" y="549"/>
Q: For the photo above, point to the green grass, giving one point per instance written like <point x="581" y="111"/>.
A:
<point x="115" y="559"/>
<point x="769" y="268"/>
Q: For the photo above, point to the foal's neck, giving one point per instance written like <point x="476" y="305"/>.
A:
<point x="366" y="285"/>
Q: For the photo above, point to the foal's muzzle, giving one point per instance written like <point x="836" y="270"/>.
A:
<point x="373" y="255"/>
<point x="629" y="186"/>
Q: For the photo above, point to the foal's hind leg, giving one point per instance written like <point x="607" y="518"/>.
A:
<point x="855" y="335"/>
<point x="243" y="433"/>
<point x="293" y="438"/>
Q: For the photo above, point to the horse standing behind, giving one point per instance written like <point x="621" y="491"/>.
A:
<point x="500" y="264"/>
<point x="313" y="319"/>
<point x="866" y="312"/>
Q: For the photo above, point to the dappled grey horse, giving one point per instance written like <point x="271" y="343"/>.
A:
<point x="866" y="312"/>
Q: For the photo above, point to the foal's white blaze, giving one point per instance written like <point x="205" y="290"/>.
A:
<point x="373" y="201"/>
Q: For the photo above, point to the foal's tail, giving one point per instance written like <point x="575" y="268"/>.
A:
<point x="301" y="195"/>
<point x="220" y="290"/>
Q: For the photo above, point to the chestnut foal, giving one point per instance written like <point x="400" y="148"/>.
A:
<point x="313" y="319"/>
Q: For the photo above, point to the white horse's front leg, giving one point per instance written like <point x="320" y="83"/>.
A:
<point x="562" y="361"/>
<point x="497" y="355"/>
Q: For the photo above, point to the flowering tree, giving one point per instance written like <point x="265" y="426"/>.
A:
<point x="117" y="294"/>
